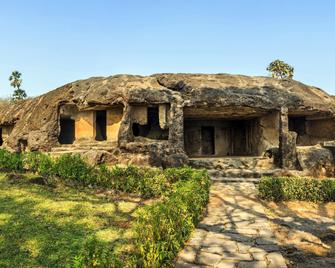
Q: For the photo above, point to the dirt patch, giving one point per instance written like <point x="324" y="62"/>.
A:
<point x="305" y="231"/>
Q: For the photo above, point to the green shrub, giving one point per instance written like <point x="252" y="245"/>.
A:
<point x="39" y="163"/>
<point x="11" y="161"/>
<point x="46" y="166"/>
<point x="72" y="167"/>
<point x="295" y="188"/>
<point x="31" y="160"/>
<point x="131" y="179"/>
<point x="162" y="228"/>
<point x="97" y="254"/>
<point x="178" y="174"/>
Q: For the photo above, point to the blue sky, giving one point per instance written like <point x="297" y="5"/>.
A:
<point x="55" y="42"/>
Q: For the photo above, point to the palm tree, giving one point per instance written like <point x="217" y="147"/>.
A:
<point x="15" y="82"/>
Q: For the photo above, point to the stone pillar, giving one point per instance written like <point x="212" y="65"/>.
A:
<point x="176" y="130"/>
<point x="287" y="142"/>
<point x="125" y="131"/>
<point x="114" y="117"/>
<point x="163" y="116"/>
<point x="85" y="125"/>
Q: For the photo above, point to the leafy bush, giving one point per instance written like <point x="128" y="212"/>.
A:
<point x="131" y="179"/>
<point x="295" y="188"/>
<point x="73" y="167"/>
<point x="178" y="174"/>
<point x="10" y="161"/>
<point x="96" y="254"/>
<point x="162" y="228"/>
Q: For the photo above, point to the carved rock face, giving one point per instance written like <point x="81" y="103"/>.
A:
<point x="209" y="96"/>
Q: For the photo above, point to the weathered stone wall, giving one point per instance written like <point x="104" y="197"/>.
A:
<point x="114" y="117"/>
<point x="312" y="131"/>
<point x="85" y="125"/>
<point x="139" y="114"/>
<point x="164" y="115"/>
<point x="320" y="130"/>
<point x="269" y="132"/>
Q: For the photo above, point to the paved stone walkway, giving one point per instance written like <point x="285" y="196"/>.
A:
<point x="235" y="232"/>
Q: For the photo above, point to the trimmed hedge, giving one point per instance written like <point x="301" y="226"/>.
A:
<point x="296" y="188"/>
<point x="162" y="228"/>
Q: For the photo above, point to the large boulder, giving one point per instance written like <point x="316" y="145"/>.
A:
<point x="316" y="161"/>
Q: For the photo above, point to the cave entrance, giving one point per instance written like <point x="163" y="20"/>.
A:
<point x="220" y="138"/>
<point x="67" y="131"/>
<point x="152" y="129"/>
<point x="101" y="125"/>
<point x="1" y="139"/>
<point x="297" y="124"/>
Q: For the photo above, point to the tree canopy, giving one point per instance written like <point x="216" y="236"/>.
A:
<point x="280" y="69"/>
<point x="16" y="82"/>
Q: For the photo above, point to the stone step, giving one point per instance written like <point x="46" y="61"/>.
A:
<point x="233" y="179"/>
<point x="63" y="149"/>
<point x="86" y="147"/>
<point x="224" y="163"/>
<point x="242" y="173"/>
<point x="59" y="153"/>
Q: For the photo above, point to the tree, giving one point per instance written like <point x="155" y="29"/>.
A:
<point x="280" y="69"/>
<point x="15" y="82"/>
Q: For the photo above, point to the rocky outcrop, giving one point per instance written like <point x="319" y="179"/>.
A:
<point x="36" y="121"/>
<point x="316" y="161"/>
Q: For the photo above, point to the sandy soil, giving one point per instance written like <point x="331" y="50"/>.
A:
<point x="305" y="231"/>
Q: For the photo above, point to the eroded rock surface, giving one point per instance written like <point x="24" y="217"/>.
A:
<point x="35" y="123"/>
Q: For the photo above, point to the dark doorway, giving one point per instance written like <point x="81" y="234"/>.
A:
<point x="1" y="140"/>
<point x="67" y="131"/>
<point x="207" y="140"/>
<point x="298" y="125"/>
<point x="101" y="125"/>
<point x="152" y="129"/>
<point x="238" y="138"/>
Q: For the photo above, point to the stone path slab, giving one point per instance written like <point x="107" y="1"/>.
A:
<point x="235" y="232"/>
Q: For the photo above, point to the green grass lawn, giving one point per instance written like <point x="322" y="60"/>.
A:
<point x="44" y="226"/>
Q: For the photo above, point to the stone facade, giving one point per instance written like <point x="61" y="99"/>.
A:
<point x="170" y="119"/>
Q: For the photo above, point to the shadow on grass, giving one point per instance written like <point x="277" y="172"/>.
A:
<point x="35" y="235"/>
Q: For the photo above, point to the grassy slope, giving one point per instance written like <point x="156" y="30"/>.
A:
<point x="41" y="226"/>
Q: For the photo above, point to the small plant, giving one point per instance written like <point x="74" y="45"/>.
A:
<point x="281" y="70"/>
